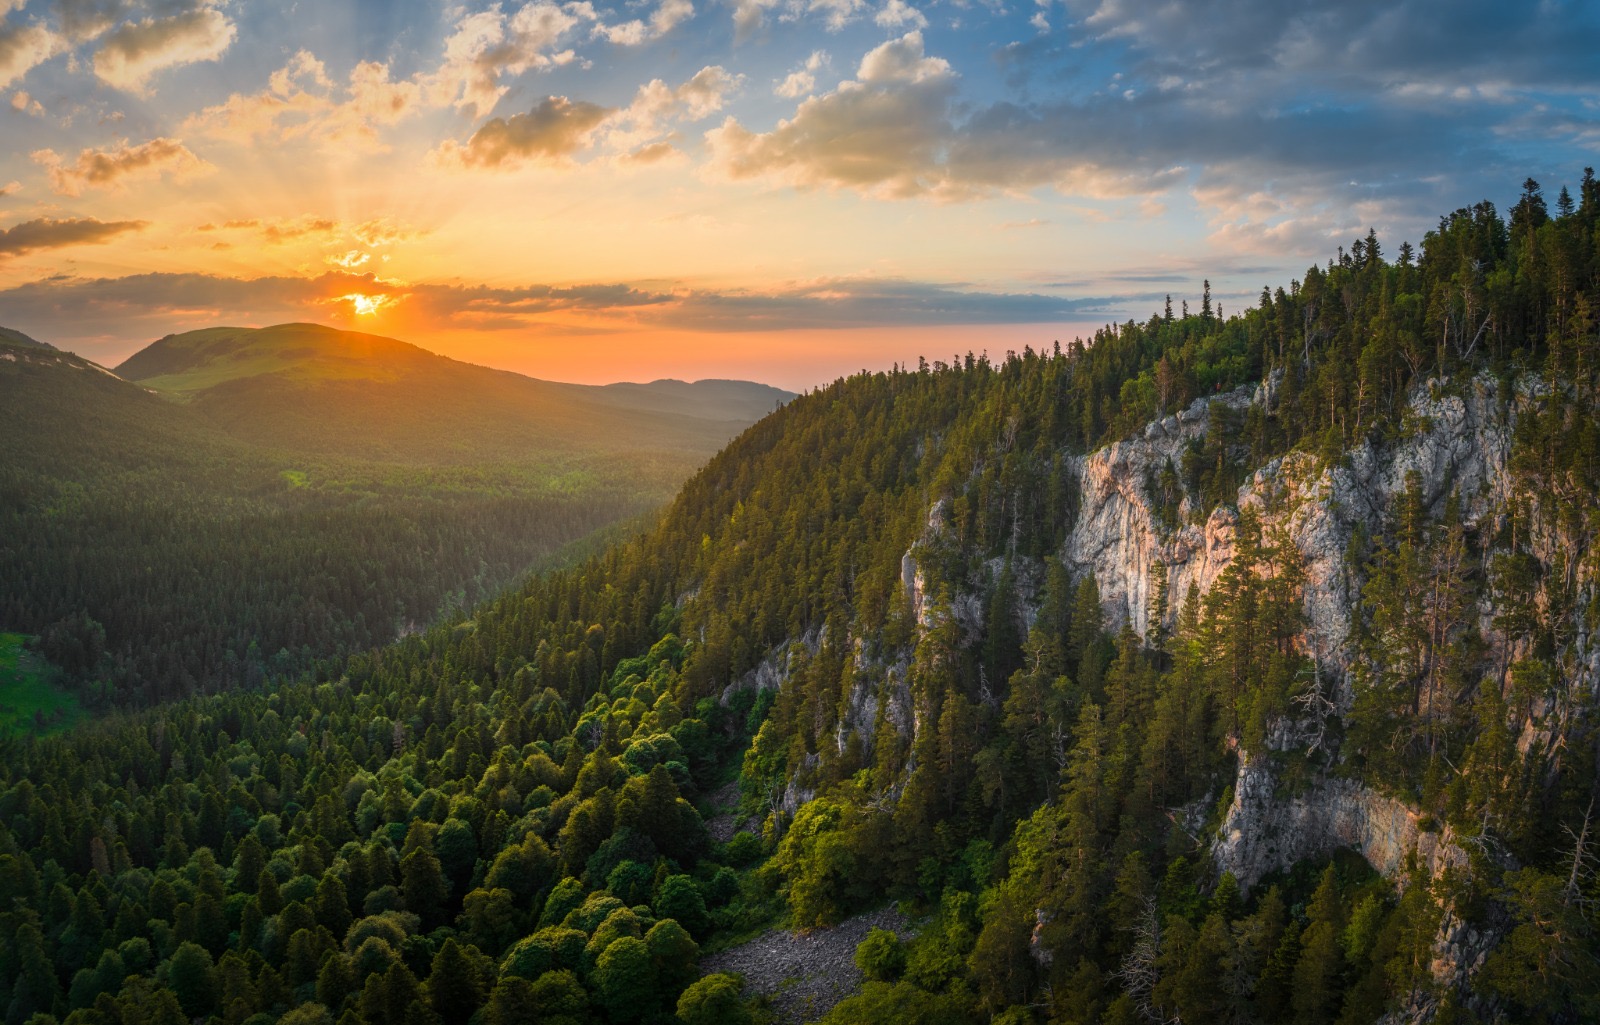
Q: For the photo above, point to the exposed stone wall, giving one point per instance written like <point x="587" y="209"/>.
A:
<point x="1268" y="830"/>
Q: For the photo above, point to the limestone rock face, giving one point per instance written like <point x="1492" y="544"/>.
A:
<point x="1456" y="442"/>
<point x="1267" y="829"/>
<point x="1120" y="539"/>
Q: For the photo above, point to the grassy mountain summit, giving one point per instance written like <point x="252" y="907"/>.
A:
<point x="14" y="337"/>
<point x="309" y="388"/>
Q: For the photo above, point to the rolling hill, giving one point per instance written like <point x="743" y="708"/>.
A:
<point x="314" y="389"/>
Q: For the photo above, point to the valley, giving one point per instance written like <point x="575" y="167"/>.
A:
<point x="160" y="542"/>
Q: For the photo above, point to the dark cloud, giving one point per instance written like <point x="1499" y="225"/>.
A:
<point x="109" y="167"/>
<point x="550" y="132"/>
<point x="1290" y="125"/>
<point x="46" y="233"/>
<point x="154" y="304"/>
<point x="85" y="19"/>
<point x="24" y="47"/>
<point x="848" y="303"/>
<point x="137" y="50"/>
<point x="1353" y="44"/>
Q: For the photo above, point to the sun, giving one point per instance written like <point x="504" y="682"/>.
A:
<point x="367" y="305"/>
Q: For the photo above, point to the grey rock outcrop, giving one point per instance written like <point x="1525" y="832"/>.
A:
<point x="1456" y="442"/>
<point x="1268" y="830"/>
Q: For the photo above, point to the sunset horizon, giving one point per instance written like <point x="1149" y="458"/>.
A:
<point x="783" y="191"/>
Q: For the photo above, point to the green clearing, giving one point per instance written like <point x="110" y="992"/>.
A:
<point x="30" y="700"/>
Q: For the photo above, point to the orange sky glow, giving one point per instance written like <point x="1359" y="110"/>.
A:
<point x="781" y="190"/>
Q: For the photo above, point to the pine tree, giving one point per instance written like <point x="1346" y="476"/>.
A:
<point x="1317" y="973"/>
<point x="424" y="885"/>
<point x="454" y="991"/>
<point x="193" y="978"/>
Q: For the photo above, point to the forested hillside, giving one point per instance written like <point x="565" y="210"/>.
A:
<point x="1108" y="662"/>
<point x="155" y="551"/>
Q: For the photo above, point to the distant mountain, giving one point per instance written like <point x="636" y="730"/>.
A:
<point x="309" y="388"/>
<point x="732" y="399"/>
<point x="16" y="337"/>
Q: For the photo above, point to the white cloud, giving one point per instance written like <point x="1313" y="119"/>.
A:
<point x="488" y="45"/>
<point x="884" y="133"/>
<point x="899" y="14"/>
<point x="301" y="101"/>
<point x="901" y="60"/>
<point x="637" y="128"/>
<point x="801" y="81"/>
<point x="668" y="16"/>
<point x="836" y="14"/>
<point x="750" y="15"/>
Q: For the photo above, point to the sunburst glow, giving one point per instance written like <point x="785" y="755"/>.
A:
<point x="367" y="305"/>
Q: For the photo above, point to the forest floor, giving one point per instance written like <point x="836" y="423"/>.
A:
<point x="724" y="820"/>
<point x="30" y="701"/>
<point x="804" y="973"/>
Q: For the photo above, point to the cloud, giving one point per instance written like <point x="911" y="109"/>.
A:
<point x="883" y="132"/>
<point x="10" y="189"/>
<point x="158" y="303"/>
<point x="551" y="132"/>
<point x="749" y="16"/>
<point x="668" y="15"/>
<point x="375" y="233"/>
<point x="490" y="44"/>
<point x="135" y="51"/>
<point x="802" y="80"/>
<point x="302" y="102"/>
<point x="857" y="302"/>
<point x="25" y="47"/>
<point x="355" y="259"/>
<point x="290" y="230"/>
<point x="286" y="107"/>
<point x="899" y="14"/>
<point x="637" y="129"/>
<point x="698" y="98"/>
<point x="1370" y="45"/>
<point x="101" y="169"/>
<point x="901" y="60"/>
<point x="26" y="104"/>
<point x="46" y="233"/>
<point x="381" y="231"/>
<point x="376" y="100"/>
<point x="83" y="20"/>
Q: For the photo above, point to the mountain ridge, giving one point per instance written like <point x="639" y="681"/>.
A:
<point x="314" y="388"/>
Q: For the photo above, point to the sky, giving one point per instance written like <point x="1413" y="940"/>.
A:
<point x="777" y="190"/>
